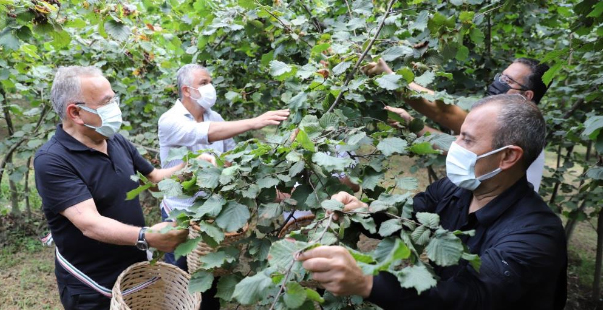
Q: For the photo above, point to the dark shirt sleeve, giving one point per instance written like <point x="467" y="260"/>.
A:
<point x="58" y="183"/>
<point x="508" y="270"/>
<point x="140" y="163"/>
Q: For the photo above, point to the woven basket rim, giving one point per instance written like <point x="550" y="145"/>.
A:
<point x="309" y="217"/>
<point x="117" y="294"/>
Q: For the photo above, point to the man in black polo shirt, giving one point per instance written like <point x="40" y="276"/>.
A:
<point x="521" y="242"/>
<point x="83" y="174"/>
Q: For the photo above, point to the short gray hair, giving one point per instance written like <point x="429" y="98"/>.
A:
<point x="185" y="75"/>
<point x="66" y="87"/>
<point x="519" y="123"/>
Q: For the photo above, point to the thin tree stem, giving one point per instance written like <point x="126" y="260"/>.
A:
<point x="366" y="50"/>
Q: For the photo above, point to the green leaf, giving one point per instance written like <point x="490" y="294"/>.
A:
<point x="473" y="259"/>
<point x="297" y="102"/>
<point x="596" y="12"/>
<point x="295" y="295"/>
<point x="8" y="40"/>
<point x="592" y="127"/>
<point x="305" y="141"/>
<point x="200" y="281"/>
<point x="332" y="205"/>
<point x="389" y="81"/>
<point x="314" y="296"/>
<point x="417" y="277"/>
<point x="595" y="173"/>
<point x="278" y="68"/>
<point x="331" y="163"/>
<point x="186" y="247"/>
<point x="395" y="52"/>
<point x="317" y="49"/>
<point x="425" y="79"/>
<point x="462" y="53"/>
<point x="421" y="235"/>
<point x="389" y="227"/>
<point x="407" y="74"/>
<point x="233" y="217"/>
<point x="117" y="30"/>
<point x="226" y="286"/>
<point x="354" y="139"/>
<point x="212" y="231"/>
<point x="423" y="148"/>
<point x="548" y="76"/>
<point x="251" y="289"/>
<point x="341" y="67"/>
<point x="209" y="178"/>
<point x="177" y="153"/>
<point x="170" y="188"/>
<point x="430" y="220"/>
<point x="296" y="168"/>
<point x="267" y="182"/>
<point x="445" y="249"/>
<point x="211" y="206"/>
<point x="477" y="36"/>
<point x="214" y="259"/>
<point x="389" y="146"/>
<point x="135" y="192"/>
<point x="282" y="252"/>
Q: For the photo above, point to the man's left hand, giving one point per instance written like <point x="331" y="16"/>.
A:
<point x="270" y="118"/>
<point x="336" y="270"/>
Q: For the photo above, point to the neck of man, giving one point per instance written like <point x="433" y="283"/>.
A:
<point x="193" y="108"/>
<point x="97" y="142"/>
<point x="491" y="188"/>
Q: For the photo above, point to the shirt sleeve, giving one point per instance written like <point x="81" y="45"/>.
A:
<point x="140" y="163"/>
<point x="59" y="185"/>
<point x="509" y="269"/>
<point x="229" y="144"/>
<point x="174" y="131"/>
<point x="535" y="170"/>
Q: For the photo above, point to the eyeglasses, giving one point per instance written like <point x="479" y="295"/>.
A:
<point x="508" y="80"/>
<point x="113" y="100"/>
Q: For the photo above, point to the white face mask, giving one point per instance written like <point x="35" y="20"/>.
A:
<point x="110" y="115"/>
<point x="208" y="96"/>
<point x="460" y="167"/>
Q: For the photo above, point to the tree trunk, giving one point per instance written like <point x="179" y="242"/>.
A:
<point x="597" y="279"/>
<point x="14" y="196"/>
<point x="571" y="223"/>
<point x="26" y="190"/>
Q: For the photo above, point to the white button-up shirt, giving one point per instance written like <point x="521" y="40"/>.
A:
<point x="178" y="128"/>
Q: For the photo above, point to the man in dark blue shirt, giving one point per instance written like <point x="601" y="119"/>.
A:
<point x="83" y="174"/>
<point x="521" y="242"/>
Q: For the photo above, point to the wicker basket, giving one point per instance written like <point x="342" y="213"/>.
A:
<point x="193" y="259"/>
<point x="143" y="286"/>
<point x="296" y="224"/>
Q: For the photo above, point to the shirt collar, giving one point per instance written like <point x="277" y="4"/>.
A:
<point x="499" y="205"/>
<point x="180" y="109"/>
<point x="71" y="143"/>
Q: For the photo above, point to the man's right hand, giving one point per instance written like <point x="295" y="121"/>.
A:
<point x="350" y="202"/>
<point x="376" y="68"/>
<point x="165" y="242"/>
<point x="270" y="118"/>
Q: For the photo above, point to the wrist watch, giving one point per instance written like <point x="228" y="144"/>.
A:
<point x="142" y="243"/>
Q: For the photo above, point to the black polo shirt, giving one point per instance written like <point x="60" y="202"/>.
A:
<point x="67" y="173"/>
<point x="521" y="243"/>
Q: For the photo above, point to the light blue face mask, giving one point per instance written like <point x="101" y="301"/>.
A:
<point x="460" y="167"/>
<point x="110" y="115"/>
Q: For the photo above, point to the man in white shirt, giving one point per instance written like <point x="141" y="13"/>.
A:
<point x="192" y="123"/>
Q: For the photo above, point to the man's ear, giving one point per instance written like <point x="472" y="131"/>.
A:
<point x="186" y="92"/>
<point x="511" y="157"/>
<point x="529" y="94"/>
<point x="73" y="112"/>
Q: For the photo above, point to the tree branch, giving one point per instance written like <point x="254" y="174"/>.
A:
<point x="368" y="48"/>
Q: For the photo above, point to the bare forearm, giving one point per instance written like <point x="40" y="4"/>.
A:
<point x="448" y="115"/>
<point x="108" y="230"/>
<point x="226" y="130"/>
<point x="157" y="175"/>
